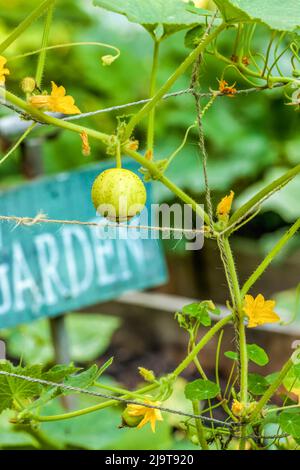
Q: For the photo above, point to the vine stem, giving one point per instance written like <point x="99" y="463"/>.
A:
<point x="199" y="426"/>
<point x="45" y="38"/>
<point x="18" y="143"/>
<point x="105" y="139"/>
<point x="269" y="258"/>
<point x="251" y="73"/>
<point x="41" y="117"/>
<point x="156" y="173"/>
<point x="182" y="366"/>
<point x="91" y="409"/>
<point x="261" y="195"/>
<point x="242" y="343"/>
<point x="239" y="310"/>
<point x="206" y="338"/>
<point x="25" y="24"/>
<point x="172" y="79"/>
<point x="151" y="121"/>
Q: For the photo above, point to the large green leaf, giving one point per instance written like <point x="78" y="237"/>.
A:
<point x="12" y="389"/>
<point x="290" y="423"/>
<point x="201" y="390"/>
<point x="257" y="355"/>
<point x="277" y="14"/>
<point x="257" y="384"/>
<point x="172" y="14"/>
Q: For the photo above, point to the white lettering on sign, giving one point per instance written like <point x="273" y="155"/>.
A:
<point x="104" y="258"/>
<point x="68" y="264"/>
<point x="48" y="258"/>
<point x="72" y="236"/>
<point x="5" y="290"/>
<point x="23" y="280"/>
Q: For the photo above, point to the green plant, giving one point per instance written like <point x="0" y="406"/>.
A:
<point x="246" y="397"/>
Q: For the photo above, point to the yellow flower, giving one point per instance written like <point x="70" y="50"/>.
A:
<point x="58" y="101"/>
<point x="237" y="408"/>
<point x="3" y="71"/>
<point x="227" y="89"/>
<point x="259" y="311"/>
<point x="150" y="415"/>
<point x="224" y="206"/>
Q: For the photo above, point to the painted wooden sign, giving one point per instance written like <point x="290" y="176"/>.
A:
<point x="49" y="269"/>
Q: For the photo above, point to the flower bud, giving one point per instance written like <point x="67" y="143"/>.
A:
<point x="28" y="84"/>
<point x="148" y="375"/>
<point x="130" y="421"/>
<point x="108" y="59"/>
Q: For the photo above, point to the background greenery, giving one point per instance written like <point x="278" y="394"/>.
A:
<point x="250" y="140"/>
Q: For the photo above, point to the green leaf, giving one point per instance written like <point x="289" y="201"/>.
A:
<point x="200" y="311"/>
<point x="193" y="37"/>
<point x="201" y="390"/>
<point x="257" y="355"/>
<point x="231" y="355"/>
<point x="172" y="14"/>
<point x="292" y="379"/>
<point x="59" y="372"/>
<point x="84" y="379"/>
<point x="270" y="378"/>
<point x="105" y="366"/>
<point x="12" y="388"/>
<point x="257" y="384"/>
<point x="290" y="423"/>
<point x="279" y="15"/>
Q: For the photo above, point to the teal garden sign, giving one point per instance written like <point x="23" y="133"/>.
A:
<point x="48" y="269"/>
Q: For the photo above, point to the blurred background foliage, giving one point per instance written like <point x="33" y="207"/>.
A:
<point x="250" y="138"/>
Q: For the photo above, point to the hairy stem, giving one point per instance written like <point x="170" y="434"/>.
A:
<point x="199" y="426"/>
<point x="263" y="194"/>
<point x="151" y="121"/>
<point x="42" y="56"/>
<point x="172" y="79"/>
<point x="155" y="172"/>
<point x="269" y="258"/>
<point x="272" y="389"/>
<point x="206" y="338"/>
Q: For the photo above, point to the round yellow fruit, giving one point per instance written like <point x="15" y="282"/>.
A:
<point x="118" y="194"/>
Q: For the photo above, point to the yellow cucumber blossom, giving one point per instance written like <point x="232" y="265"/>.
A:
<point x="149" y="415"/>
<point x="57" y="102"/>
<point x="224" y="206"/>
<point x="237" y="408"/>
<point x="3" y="70"/>
<point x="259" y="311"/>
